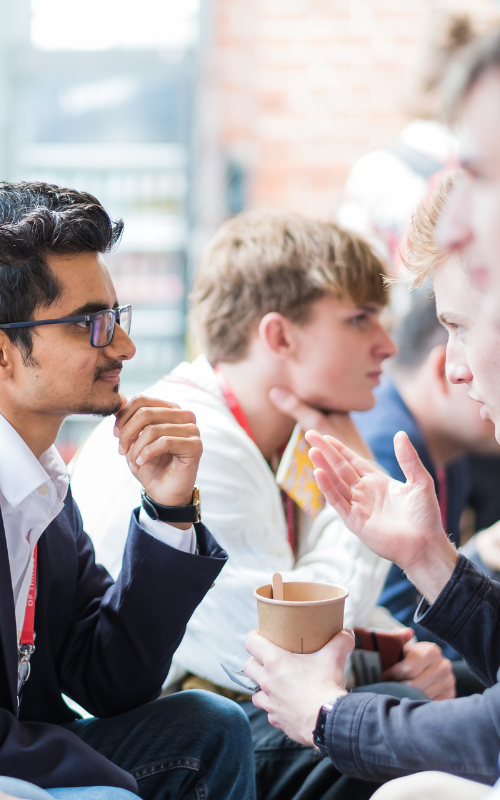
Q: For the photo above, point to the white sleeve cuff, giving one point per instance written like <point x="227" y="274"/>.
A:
<point x="174" y="537"/>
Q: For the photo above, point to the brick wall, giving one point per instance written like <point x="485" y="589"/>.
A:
<point x="294" y="91"/>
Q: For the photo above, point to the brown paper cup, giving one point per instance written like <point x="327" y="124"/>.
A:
<point x="309" y="615"/>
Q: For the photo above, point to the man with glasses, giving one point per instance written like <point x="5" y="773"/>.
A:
<point x="65" y="627"/>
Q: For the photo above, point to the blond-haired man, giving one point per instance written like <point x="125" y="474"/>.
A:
<point x="368" y="735"/>
<point x="287" y="310"/>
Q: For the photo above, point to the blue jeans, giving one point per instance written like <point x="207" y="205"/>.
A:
<point x="188" y="746"/>
<point x="28" y="791"/>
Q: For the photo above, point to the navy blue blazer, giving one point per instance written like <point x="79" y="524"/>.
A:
<point x="378" y="427"/>
<point x="106" y="645"/>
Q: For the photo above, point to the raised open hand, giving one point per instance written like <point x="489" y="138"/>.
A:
<point x="398" y="521"/>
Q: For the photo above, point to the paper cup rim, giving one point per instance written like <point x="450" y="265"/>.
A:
<point x="302" y="602"/>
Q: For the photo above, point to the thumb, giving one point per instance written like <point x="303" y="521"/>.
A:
<point x="341" y="644"/>
<point x="405" y="634"/>
<point x="288" y="403"/>
<point x="409" y="461"/>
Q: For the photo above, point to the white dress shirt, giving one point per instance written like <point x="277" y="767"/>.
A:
<point x="32" y="493"/>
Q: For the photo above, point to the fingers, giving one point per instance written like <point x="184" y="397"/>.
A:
<point x="261" y="649"/>
<point x="332" y="494"/>
<point x="338" y="454"/>
<point x="320" y="463"/>
<point x="288" y="403"/>
<point x="129" y="427"/>
<point x="409" y="461"/>
<point x="127" y="411"/>
<point x="418" y="657"/>
<point x="154" y="440"/>
<point x="436" y="681"/>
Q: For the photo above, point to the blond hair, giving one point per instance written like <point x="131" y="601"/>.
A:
<point x="260" y="262"/>
<point x="420" y="253"/>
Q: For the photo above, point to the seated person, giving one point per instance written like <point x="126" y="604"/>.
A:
<point x="107" y="645"/>
<point x="367" y="735"/>
<point x="279" y="301"/>
<point x="442" y="423"/>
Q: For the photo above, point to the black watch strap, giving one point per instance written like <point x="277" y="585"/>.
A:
<point x="190" y="513"/>
<point x="319" y="733"/>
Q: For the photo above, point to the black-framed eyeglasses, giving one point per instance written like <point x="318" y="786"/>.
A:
<point x="101" y="324"/>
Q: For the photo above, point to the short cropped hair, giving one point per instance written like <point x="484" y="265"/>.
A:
<point x="478" y="58"/>
<point x="261" y="261"/>
<point x="420" y="253"/>
<point x="36" y="220"/>
<point x="417" y="334"/>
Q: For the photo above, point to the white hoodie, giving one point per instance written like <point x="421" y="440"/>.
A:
<point x="241" y="506"/>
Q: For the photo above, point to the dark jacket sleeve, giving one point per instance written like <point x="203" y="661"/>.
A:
<point x="122" y="636"/>
<point x="378" y="737"/>
<point x="466" y="615"/>
<point x="51" y="757"/>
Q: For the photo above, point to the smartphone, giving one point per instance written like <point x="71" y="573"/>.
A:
<point x="374" y="651"/>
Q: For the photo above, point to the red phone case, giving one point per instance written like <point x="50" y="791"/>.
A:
<point x="389" y="644"/>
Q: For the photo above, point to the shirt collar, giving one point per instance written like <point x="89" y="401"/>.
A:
<point x="21" y="472"/>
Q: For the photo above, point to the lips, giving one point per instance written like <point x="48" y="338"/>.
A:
<point x="112" y="377"/>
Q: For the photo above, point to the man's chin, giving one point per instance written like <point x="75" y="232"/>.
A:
<point x="100" y="408"/>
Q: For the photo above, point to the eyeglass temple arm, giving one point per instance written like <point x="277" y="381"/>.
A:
<point x="35" y="323"/>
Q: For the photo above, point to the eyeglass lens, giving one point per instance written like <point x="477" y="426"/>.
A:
<point x="104" y="326"/>
<point x="126" y="319"/>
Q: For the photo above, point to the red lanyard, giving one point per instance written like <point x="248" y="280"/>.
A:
<point x="232" y="403"/>
<point x="238" y="413"/>
<point x="28" y="632"/>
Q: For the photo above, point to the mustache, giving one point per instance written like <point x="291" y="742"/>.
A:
<point x="109" y="366"/>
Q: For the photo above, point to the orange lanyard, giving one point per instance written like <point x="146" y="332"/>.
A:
<point x="239" y="415"/>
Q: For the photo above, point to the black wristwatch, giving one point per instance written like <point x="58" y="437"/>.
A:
<point x="189" y="513"/>
<point x="319" y="732"/>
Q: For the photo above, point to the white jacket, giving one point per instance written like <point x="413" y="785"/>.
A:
<point x="241" y="506"/>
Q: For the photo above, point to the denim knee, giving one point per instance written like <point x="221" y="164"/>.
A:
<point x="223" y="713"/>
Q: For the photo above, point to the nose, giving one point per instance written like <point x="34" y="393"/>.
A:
<point x="457" y="367"/>
<point x="384" y="346"/>
<point x="121" y="346"/>
<point x="453" y="229"/>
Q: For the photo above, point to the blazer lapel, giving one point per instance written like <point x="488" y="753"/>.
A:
<point x="8" y="636"/>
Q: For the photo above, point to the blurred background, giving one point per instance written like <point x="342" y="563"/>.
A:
<point x="177" y="115"/>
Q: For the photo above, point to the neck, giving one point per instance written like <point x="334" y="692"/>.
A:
<point x="271" y="429"/>
<point x="442" y="449"/>
<point x="38" y="433"/>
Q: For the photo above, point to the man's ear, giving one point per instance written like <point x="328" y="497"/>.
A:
<point x="6" y="357"/>
<point x="437" y="358"/>
<point x="275" y="333"/>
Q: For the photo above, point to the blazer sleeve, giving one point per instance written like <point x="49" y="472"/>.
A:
<point x="51" y="756"/>
<point x="121" y="637"/>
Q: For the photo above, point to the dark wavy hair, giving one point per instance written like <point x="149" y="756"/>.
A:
<point x="36" y="220"/>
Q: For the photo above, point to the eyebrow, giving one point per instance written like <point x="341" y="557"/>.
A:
<point x="91" y="308"/>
